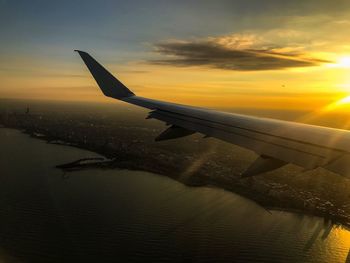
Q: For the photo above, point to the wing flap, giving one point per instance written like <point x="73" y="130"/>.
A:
<point x="173" y="132"/>
<point x="263" y="164"/>
<point x="340" y="165"/>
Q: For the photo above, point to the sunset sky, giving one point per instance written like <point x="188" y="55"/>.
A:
<point x="255" y="54"/>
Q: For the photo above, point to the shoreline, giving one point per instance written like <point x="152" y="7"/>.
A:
<point x="107" y="163"/>
<point x="193" y="162"/>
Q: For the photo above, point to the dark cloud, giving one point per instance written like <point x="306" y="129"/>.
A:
<point x="211" y="54"/>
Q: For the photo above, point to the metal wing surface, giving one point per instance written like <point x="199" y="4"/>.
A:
<point x="276" y="142"/>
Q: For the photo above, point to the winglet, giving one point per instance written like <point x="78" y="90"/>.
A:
<point x="110" y="86"/>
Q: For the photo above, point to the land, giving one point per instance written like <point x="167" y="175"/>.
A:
<point x="126" y="141"/>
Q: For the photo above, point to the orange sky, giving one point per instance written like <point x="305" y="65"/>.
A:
<point x="307" y="88"/>
<point x="295" y="60"/>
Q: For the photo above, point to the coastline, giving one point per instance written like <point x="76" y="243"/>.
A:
<point x="264" y="202"/>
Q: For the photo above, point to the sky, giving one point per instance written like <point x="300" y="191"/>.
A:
<point x="226" y="53"/>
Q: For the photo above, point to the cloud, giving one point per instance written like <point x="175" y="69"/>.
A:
<point x="237" y="52"/>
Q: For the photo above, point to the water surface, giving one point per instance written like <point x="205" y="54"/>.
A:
<point x="128" y="216"/>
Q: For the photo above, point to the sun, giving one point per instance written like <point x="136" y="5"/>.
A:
<point x="340" y="62"/>
<point x="344" y="62"/>
<point x="345" y="100"/>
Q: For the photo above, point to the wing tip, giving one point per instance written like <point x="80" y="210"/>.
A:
<point x="80" y="51"/>
<point x="110" y="85"/>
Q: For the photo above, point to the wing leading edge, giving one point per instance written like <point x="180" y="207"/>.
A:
<point x="276" y="142"/>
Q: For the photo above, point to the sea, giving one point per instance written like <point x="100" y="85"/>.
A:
<point x="111" y="215"/>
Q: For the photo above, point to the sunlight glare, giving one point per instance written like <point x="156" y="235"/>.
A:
<point x="337" y="104"/>
<point x="344" y="62"/>
<point x="343" y="101"/>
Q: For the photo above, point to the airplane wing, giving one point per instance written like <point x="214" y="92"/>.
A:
<point x="276" y="142"/>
